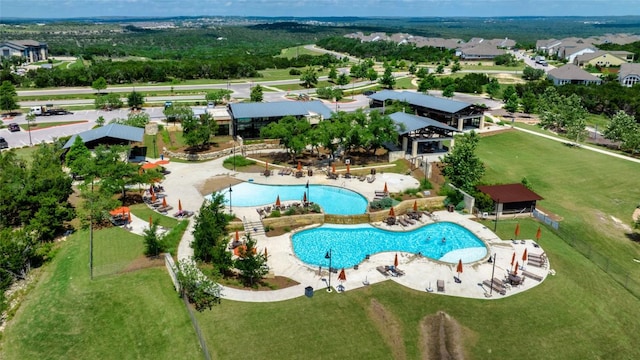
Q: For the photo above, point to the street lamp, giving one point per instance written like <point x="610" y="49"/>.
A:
<point x="495" y="226"/>
<point x="328" y="256"/>
<point x="307" y="186"/>
<point x="492" y="273"/>
<point x="230" y="206"/>
<point x="234" y="155"/>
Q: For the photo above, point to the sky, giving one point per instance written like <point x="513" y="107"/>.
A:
<point x="311" y="8"/>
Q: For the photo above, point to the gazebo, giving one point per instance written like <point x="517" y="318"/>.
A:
<point x="511" y="198"/>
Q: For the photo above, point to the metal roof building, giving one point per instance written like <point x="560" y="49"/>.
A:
<point x="109" y="134"/>
<point x="421" y="134"/>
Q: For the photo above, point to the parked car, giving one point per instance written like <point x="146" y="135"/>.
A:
<point x="13" y="127"/>
<point x="3" y="143"/>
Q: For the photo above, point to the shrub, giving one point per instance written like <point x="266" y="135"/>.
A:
<point x="294" y="72"/>
<point x="286" y="229"/>
<point x="425" y="184"/>
<point x="275" y="214"/>
<point x="290" y="211"/>
<point x="381" y="204"/>
<point x="240" y="161"/>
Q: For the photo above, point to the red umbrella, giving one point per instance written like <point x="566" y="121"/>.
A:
<point x="333" y="168"/>
<point x="129" y="218"/>
<point x="151" y="190"/>
<point x="415" y="205"/>
<point x="392" y="212"/>
<point x="162" y="162"/>
<point x="459" y="268"/>
<point x="148" y="166"/>
<point x="153" y="197"/>
<point x="524" y="255"/>
<point x="395" y="261"/>
<point x="342" y="276"/>
<point x="179" y="205"/>
<point x="266" y="166"/>
<point x="164" y="202"/>
<point x="237" y="236"/>
<point x="538" y="234"/>
<point x="124" y="213"/>
<point x="304" y="197"/>
<point x="265" y="253"/>
<point x="513" y="258"/>
<point x="121" y="210"/>
<point x="299" y="166"/>
<point x="385" y="187"/>
<point x="348" y="167"/>
<point x="150" y="221"/>
<point x="515" y="271"/>
<point x="278" y="201"/>
<point x="517" y="229"/>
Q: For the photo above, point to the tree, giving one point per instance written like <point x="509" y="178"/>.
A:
<point x="8" y="96"/>
<point x="412" y="69"/>
<point x="462" y="167"/>
<point x="493" y="88"/>
<point x="456" y="67"/>
<point x="135" y="100"/>
<point x="440" y="69"/>
<point x="309" y="77"/>
<point x="292" y="133"/>
<point x="218" y="95"/>
<point x="201" y="291"/>
<point x="343" y="79"/>
<point x="100" y="120"/>
<point x="139" y="120"/>
<point x="387" y="80"/>
<point x="507" y="92"/>
<point x="422" y="72"/>
<point x="620" y="126"/>
<point x="108" y="102"/>
<point x="256" y="94"/>
<point x="197" y="130"/>
<point x="30" y="118"/>
<point x="251" y="263"/>
<point x="529" y="102"/>
<point x="152" y="241"/>
<point x="449" y="91"/>
<point x="529" y="73"/>
<point x="333" y="73"/>
<point x="209" y="231"/>
<point x="382" y="129"/>
<point x="563" y="113"/>
<point x="78" y="158"/>
<point x="114" y="172"/>
<point x="513" y="103"/>
<point x="372" y="74"/>
<point x="99" y="84"/>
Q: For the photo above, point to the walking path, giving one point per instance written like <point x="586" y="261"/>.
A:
<point x="421" y="273"/>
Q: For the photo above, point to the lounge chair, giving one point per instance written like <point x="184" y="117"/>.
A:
<point x="403" y="222"/>
<point x="398" y="271"/>
<point x="362" y="177"/>
<point x="440" y="285"/>
<point x="267" y="173"/>
<point x="381" y="193"/>
<point x="382" y="270"/>
<point x="409" y="220"/>
<point x="391" y="220"/>
<point x="539" y="264"/>
<point x="532" y="275"/>
<point x="497" y="286"/>
<point x="333" y="176"/>
<point x="371" y="179"/>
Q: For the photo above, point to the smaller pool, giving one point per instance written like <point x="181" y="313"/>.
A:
<point x="350" y="245"/>
<point x="332" y="199"/>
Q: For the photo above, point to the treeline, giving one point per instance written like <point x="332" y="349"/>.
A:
<point x="385" y="50"/>
<point x="124" y="72"/>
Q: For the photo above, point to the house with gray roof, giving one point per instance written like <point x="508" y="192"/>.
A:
<point x="31" y="50"/>
<point x="572" y="74"/>
<point x="421" y="134"/>
<point x="629" y="74"/>
<point x="249" y="118"/>
<point x="481" y="51"/>
<point x="111" y="134"/>
<point x="603" y="58"/>
<point x="456" y="114"/>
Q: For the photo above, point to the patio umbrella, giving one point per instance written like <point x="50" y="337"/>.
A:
<point x="524" y="256"/>
<point x="118" y="211"/>
<point x="153" y="197"/>
<point x="415" y="205"/>
<point x="237" y="236"/>
<point x="304" y="197"/>
<point x="342" y="276"/>
<point x="513" y="258"/>
<point x="538" y="233"/>
<point x="517" y="229"/>
<point x="385" y="187"/>
<point x="333" y="168"/>
<point x="148" y="166"/>
<point x="162" y="162"/>
<point x="392" y="212"/>
<point x="299" y="166"/>
<point x="395" y="260"/>
<point x="124" y="214"/>
<point x="265" y="254"/>
<point x="266" y="166"/>
<point x="179" y="205"/>
<point x="150" y="221"/>
<point x="151" y="190"/>
<point x="459" y="267"/>
<point x="164" y="202"/>
<point x="278" y="201"/>
<point x="129" y="218"/>
<point x="515" y="271"/>
<point x="348" y="167"/>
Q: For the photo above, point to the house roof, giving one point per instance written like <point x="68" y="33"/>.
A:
<point x="572" y="72"/>
<point x="482" y="49"/>
<point x="413" y="122"/>
<point x="418" y="99"/>
<point x="627" y="69"/>
<point x="279" y="109"/>
<point x="116" y="131"/>
<point x="593" y="55"/>
<point x="509" y="193"/>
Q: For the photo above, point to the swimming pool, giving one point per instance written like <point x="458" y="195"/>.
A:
<point x="350" y="244"/>
<point x="332" y="199"/>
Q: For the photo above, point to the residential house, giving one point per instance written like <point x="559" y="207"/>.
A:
<point x="31" y="50"/>
<point x="602" y="58"/>
<point x="629" y="74"/>
<point x="572" y="74"/>
<point x="481" y="51"/>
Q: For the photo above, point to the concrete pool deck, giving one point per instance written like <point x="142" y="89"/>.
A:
<point x="420" y="273"/>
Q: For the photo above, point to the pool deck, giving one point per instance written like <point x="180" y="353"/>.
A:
<point x="420" y="273"/>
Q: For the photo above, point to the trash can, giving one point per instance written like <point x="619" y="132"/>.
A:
<point x="308" y="291"/>
<point x="310" y="172"/>
<point x="161" y="156"/>
<point x="451" y="208"/>
<point x="373" y="171"/>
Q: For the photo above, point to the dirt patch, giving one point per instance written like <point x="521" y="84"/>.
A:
<point x="216" y="183"/>
<point x="267" y="284"/>
<point x="389" y="328"/>
<point x="441" y="337"/>
<point x="144" y="262"/>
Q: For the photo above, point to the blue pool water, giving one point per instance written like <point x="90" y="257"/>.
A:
<point x="350" y="244"/>
<point x="332" y="199"/>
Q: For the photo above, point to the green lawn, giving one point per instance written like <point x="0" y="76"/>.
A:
<point x="579" y="313"/>
<point x="295" y="51"/>
<point x="135" y="315"/>
<point x="143" y="212"/>
<point x="584" y="187"/>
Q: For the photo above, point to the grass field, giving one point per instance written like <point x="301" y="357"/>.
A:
<point x="135" y="315"/>
<point x="296" y="51"/>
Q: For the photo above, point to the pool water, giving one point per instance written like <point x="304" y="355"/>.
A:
<point x="332" y="199"/>
<point x="350" y="244"/>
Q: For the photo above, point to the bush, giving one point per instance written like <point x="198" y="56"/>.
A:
<point x="275" y="214"/>
<point x="381" y="204"/>
<point x="425" y="184"/>
<point x="240" y="161"/>
<point x="286" y="229"/>
<point x="290" y="211"/>
<point x="294" y="72"/>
